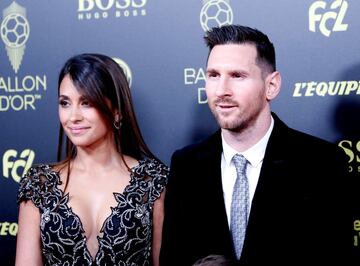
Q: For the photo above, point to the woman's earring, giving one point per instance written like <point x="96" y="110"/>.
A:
<point x="117" y="124"/>
<point x="117" y="121"/>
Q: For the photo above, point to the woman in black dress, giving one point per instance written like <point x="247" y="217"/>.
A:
<point x="103" y="203"/>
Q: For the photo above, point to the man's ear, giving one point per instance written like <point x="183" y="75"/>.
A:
<point x="273" y="85"/>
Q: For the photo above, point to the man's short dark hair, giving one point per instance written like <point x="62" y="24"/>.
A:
<point x="237" y="34"/>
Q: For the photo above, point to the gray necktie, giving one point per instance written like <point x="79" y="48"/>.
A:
<point x="239" y="204"/>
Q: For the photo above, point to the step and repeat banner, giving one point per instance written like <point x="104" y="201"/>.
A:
<point x="159" y="44"/>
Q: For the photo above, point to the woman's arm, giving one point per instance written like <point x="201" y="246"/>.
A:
<point x="158" y="218"/>
<point x="28" y="245"/>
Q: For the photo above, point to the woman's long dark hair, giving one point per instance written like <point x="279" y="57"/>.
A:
<point x="100" y="80"/>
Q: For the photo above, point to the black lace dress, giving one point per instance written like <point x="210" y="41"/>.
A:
<point x="126" y="233"/>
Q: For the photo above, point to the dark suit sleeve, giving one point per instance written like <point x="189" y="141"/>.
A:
<point x="334" y="210"/>
<point x="172" y="247"/>
<point x="195" y="223"/>
<point x="349" y="211"/>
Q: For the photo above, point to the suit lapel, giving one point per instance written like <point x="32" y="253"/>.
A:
<point x="267" y="191"/>
<point x="274" y="164"/>
<point x="211" y="159"/>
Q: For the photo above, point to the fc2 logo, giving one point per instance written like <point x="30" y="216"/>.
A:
<point x="324" y="18"/>
<point x="12" y="163"/>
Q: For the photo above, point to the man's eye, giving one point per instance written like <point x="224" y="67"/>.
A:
<point x="237" y="75"/>
<point x="212" y="75"/>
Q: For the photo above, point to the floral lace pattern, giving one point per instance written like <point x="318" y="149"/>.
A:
<point x="126" y="233"/>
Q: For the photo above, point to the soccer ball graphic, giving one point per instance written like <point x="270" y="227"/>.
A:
<point x="215" y="13"/>
<point x="125" y="67"/>
<point x="15" y="30"/>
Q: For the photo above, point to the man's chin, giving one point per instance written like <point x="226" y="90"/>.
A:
<point x="232" y="126"/>
<point x="228" y="126"/>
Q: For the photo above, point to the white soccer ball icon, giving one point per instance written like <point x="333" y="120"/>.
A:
<point x="125" y="67"/>
<point x="215" y="13"/>
<point x="15" y="30"/>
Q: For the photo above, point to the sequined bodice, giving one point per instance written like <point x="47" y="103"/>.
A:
<point x="126" y="233"/>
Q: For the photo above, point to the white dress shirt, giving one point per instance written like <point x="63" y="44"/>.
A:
<point x="254" y="155"/>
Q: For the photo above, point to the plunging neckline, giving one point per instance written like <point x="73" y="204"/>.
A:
<point x="127" y="233"/>
<point x="83" y="233"/>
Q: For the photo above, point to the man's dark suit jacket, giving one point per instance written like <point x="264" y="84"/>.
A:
<point x="299" y="210"/>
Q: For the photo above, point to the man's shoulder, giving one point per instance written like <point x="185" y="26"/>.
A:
<point x="211" y="143"/>
<point x="304" y="137"/>
<point x="300" y="140"/>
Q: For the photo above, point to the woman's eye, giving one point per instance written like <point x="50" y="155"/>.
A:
<point x="63" y="103"/>
<point x="85" y="103"/>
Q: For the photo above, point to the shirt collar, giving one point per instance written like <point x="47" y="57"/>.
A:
<point x="254" y="154"/>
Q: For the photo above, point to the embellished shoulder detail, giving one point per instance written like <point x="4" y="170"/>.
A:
<point x="39" y="182"/>
<point x="154" y="173"/>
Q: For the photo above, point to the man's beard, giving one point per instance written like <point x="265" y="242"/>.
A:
<point x="236" y="124"/>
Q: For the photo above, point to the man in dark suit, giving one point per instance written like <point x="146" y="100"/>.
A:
<point x="296" y="187"/>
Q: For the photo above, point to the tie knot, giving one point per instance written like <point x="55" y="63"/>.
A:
<point x="240" y="163"/>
